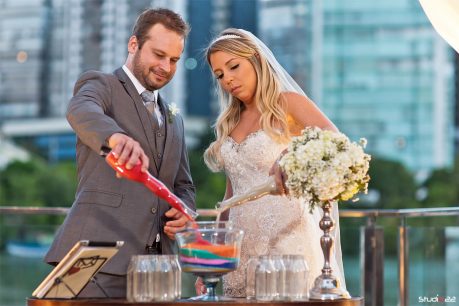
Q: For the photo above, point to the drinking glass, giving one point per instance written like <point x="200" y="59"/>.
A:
<point x="164" y="279"/>
<point x="177" y="275"/>
<point x="280" y="270"/>
<point x="140" y="280"/>
<point x="296" y="278"/>
<point x="250" y="277"/>
<point x="265" y="279"/>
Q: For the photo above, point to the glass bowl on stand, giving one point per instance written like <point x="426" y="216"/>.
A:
<point x="209" y="250"/>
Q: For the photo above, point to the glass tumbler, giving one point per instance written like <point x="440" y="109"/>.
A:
<point x="279" y="265"/>
<point x="177" y="275"/>
<point x="265" y="279"/>
<point x="139" y="279"/>
<point x="296" y="278"/>
<point x="250" y="277"/>
<point x="164" y="279"/>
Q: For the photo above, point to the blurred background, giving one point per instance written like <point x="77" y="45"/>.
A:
<point x="376" y="68"/>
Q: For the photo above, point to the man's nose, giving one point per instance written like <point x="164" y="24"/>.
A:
<point x="165" y="65"/>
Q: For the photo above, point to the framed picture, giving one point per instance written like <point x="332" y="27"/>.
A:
<point x="76" y="269"/>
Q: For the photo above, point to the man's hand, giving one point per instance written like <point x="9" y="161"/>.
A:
<point x="128" y="151"/>
<point x="175" y="225"/>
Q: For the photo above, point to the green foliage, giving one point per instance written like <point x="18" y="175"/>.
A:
<point x="58" y="184"/>
<point x="210" y="187"/>
<point x="442" y="188"/>
<point x="395" y="184"/>
<point x="19" y="183"/>
<point x="33" y="183"/>
<point x="397" y="189"/>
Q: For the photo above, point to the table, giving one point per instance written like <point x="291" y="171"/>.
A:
<point x="355" y="301"/>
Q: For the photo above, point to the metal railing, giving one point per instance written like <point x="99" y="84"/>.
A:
<point x="372" y="248"/>
<point x="373" y="253"/>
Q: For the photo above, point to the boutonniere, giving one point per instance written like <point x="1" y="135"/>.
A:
<point x="173" y="110"/>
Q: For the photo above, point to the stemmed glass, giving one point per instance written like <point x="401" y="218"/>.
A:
<point x="209" y="250"/>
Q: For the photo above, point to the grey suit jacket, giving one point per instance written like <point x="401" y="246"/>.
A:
<point x="107" y="208"/>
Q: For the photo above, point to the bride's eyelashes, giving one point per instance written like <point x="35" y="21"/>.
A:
<point x="220" y="76"/>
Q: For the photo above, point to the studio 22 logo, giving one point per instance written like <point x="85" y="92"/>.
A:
<point x="437" y="299"/>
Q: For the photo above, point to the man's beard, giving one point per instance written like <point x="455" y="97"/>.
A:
<point x="138" y="71"/>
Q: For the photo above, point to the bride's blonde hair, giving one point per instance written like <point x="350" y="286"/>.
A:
<point x="268" y="98"/>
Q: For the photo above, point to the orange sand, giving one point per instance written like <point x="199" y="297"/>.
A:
<point x="218" y="249"/>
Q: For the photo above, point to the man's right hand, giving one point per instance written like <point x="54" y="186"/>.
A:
<point x="128" y="151"/>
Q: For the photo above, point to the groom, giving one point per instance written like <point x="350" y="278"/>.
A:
<point x="123" y="112"/>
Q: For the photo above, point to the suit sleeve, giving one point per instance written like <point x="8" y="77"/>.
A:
<point x="183" y="185"/>
<point x="89" y="109"/>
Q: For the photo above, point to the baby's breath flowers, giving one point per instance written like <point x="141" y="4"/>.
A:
<point x="325" y="166"/>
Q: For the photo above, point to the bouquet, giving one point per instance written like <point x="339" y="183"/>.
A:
<point x="325" y="166"/>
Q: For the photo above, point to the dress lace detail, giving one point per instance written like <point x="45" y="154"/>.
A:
<point x="271" y="224"/>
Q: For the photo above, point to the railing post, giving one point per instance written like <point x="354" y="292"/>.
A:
<point x="372" y="262"/>
<point x="403" y="275"/>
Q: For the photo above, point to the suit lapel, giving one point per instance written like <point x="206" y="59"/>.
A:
<point x="145" y="118"/>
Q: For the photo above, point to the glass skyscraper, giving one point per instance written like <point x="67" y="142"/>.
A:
<point x="378" y="70"/>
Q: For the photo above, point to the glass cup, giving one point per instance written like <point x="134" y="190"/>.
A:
<point x="153" y="278"/>
<point x="177" y="275"/>
<point x="278" y="263"/>
<point x="164" y="278"/>
<point x="296" y="278"/>
<point x="139" y="279"/>
<point x="265" y="279"/>
<point x="250" y="277"/>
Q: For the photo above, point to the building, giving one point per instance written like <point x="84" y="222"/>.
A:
<point x="378" y="70"/>
<point x="207" y="18"/>
<point x="389" y="77"/>
<point x="46" y="45"/>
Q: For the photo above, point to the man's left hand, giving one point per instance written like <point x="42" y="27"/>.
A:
<point x="177" y="224"/>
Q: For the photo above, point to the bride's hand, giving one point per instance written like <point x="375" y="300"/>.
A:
<point x="279" y="176"/>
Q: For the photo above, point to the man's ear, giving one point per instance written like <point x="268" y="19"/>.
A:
<point x="133" y="44"/>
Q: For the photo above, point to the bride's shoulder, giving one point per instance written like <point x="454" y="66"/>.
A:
<point x="294" y="100"/>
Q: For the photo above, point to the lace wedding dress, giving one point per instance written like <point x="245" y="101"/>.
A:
<point x="272" y="224"/>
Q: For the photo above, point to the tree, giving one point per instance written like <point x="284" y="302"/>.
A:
<point x="33" y="183"/>
<point x="210" y="186"/>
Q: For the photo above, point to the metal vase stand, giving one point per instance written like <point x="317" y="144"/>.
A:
<point x="327" y="286"/>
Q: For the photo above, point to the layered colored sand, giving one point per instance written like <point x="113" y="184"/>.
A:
<point x="205" y="258"/>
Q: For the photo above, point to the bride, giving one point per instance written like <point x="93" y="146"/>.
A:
<point x="262" y="107"/>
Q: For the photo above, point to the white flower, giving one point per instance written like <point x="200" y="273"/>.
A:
<point x="324" y="166"/>
<point x="173" y="111"/>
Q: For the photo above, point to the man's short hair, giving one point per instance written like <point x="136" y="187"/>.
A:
<point x="169" y="19"/>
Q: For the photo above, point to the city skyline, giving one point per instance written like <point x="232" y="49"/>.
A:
<point x="377" y="70"/>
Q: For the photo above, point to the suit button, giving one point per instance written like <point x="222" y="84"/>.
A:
<point x="159" y="155"/>
<point x="153" y="210"/>
<point x="159" y="134"/>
